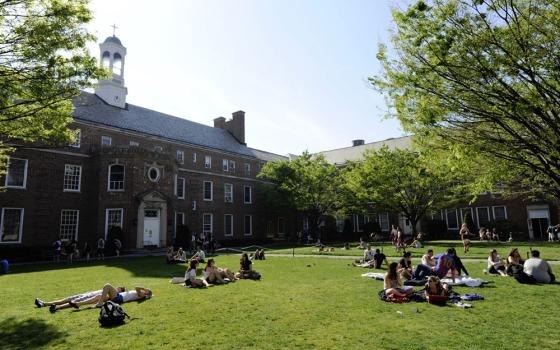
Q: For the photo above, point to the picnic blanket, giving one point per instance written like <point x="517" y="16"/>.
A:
<point x="461" y="281"/>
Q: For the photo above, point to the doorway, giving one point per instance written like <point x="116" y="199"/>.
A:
<point x="539" y="228"/>
<point x="151" y="227"/>
<point x="538" y="221"/>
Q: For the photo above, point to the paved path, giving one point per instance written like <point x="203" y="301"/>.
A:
<point x="342" y="257"/>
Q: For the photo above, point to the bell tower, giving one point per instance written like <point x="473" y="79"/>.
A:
<point x="112" y="57"/>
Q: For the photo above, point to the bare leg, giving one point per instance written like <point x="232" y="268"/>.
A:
<point x="109" y="293"/>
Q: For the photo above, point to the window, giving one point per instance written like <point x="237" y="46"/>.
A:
<point x="180" y="156"/>
<point x="207" y="162"/>
<point x="248" y="197"/>
<point x="69" y="220"/>
<point x="179" y="221"/>
<point x="16" y="173"/>
<point x="193" y="205"/>
<point x="194" y="158"/>
<point x="207" y="195"/>
<point x="72" y="178"/>
<point x="339" y="224"/>
<point x="466" y="212"/>
<point x="247" y="169"/>
<point x="113" y="218"/>
<point x="452" y="222"/>
<point x="228" y="193"/>
<point x="207" y="223"/>
<point x="134" y="144"/>
<point x="153" y="174"/>
<point x="232" y="166"/>
<point x="228" y="225"/>
<point x="180" y="187"/>
<point x="483" y="216"/>
<point x="158" y="149"/>
<point x="116" y="177"/>
<point x="248" y="225"/>
<point x="78" y="136"/>
<point x="281" y="226"/>
<point x="106" y="141"/>
<point x="499" y="212"/>
<point x="228" y="165"/>
<point x="384" y="222"/>
<point x="225" y="163"/>
<point x="11" y="225"/>
<point x="358" y="223"/>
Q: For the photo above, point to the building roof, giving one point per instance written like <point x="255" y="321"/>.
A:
<point x="113" y="39"/>
<point x="91" y="108"/>
<point x="355" y="153"/>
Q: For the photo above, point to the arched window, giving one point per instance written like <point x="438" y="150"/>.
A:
<point x="117" y="64"/>
<point x="105" y="59"/>
<point x="116" y="177"/>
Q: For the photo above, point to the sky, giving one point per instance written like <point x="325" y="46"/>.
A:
<point x="298" y="68"/>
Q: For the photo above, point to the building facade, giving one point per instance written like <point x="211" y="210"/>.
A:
<point x="143" y="171"/>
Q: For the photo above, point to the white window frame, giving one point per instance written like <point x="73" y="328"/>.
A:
<point x="180" y="156"/>
<point x="20" y="233"/>
<point x="107" y="219"/>
<point x="447" y="221"/>
<point x="194" y="157"/>
<point x="208" y="162"/>
<point x="225" y="165"/>
<point x="78" y="134"/>
<point x="250" y="225"/>
<point x="193" y="207"/>
<point x="211" y="191"/>
<point x="230" y="234"/>
<point x="230" y="193"/>
<point x="247" y="168"/>
<point x="134" y="143"/>
<point x="109" y="178"/>
<point x="478" y="219"/>
<point x="24" y="174"/>
<point x="250" y="194"/>
<point x="180" y="195"/>
<point x="79" y="179"/>
<point x="106" y="141"/>
<point x="464" y="210"/>
<point x="182" y="214"/>
<point x="77" y="223"/>
<point x="211" y="222"/>
<point x="494" y="211"/>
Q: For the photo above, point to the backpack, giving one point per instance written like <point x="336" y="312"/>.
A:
<point x="111" y="314"/>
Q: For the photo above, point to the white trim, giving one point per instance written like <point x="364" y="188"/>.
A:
<point x="21" y="216"/>
<point x="478" y="219"/>
<point x="231" y="233"/>
<point x="494" y="211"/>
<point x="107" y="219"/>
<point x="461" y="213"/>
<point x="250" y="194"/>
<point x="193" y="158"/>
<point x="447" y="221"/>
<point x="79" y="179"/>
<point x="24" y="187"/>
<point x="105" y="138"/>
<point x="181" y="159"/>
<point x="177" y="179"/>
<point x="204" y="191"/>
<point x="250" y="225"/>
<point x="77" y="223"/>
<point x="211" y="222"/>
<point x="109" y="178"/>
<point x="225" y="164"/>
<point x="231" y="193"/>
<point x="222" y="175"/>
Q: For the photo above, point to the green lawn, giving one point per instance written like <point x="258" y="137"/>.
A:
<point x="480" y="250"/>
<point x="300" y="303"/>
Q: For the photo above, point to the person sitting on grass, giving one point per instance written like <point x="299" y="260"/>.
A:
<point x="405" y="266"/>
<point x="392" y="283"/>
<point x="181" y="255"/>
<point x="375" y="262"/>
<point x="368" y="255"/>
<point x="428" y="258"/>
<point x="245" y="269"/>
<point x="170" y="255"/>
<point x="435" y="287"/>
<point x="417" y="242"/>
<point x="496" y="264"/>
<point x="514" y="263"/>
<point x="199" y="256"/>
<point x="362" y="244"/>
<point x="482" y="233"/>
<point x="259" y="254"/>
<point x="444" y="264"/>
<point x="216" y="275"/>
<point x="538" y="268"/>
<point x="459" y="267"/>
<point x="190" y="276"/>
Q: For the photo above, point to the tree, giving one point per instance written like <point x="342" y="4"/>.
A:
<point x="309" y="183"/>
<point x="399" y="181"/>
<point x="44" y="63"/>
<point x="482" y="77"/>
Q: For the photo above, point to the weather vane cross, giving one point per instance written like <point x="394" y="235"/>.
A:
<point x="114" y="26"/>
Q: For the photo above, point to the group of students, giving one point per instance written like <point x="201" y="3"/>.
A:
<point x="214" y="275"/>
<point x="72" y="251"/>
<point x="532" y="270"/>
<point x="180" y="256"/>
<point x="373" y="258"/>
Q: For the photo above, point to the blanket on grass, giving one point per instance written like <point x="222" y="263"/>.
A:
<point x="461" y="281"/>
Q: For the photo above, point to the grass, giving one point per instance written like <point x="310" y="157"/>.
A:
<point x="478" y="250"/>
<point x="300" y="303"/>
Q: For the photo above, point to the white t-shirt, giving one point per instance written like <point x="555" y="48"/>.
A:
<point x="201" y="255"/>
<point x="426" y="260"/>
<point x="368" y="254"/>
<point x="190" y="274"/>
<point x="538" y="268"/>
<point x="131" y="295"/>
<point x="492" y="262"/>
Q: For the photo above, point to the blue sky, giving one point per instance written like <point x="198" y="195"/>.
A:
<point x="297" y="68"/>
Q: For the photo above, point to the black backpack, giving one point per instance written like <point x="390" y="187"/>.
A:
<point x="111" y="314"/>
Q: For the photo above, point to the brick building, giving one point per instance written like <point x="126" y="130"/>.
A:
<point x="138" y="169"/>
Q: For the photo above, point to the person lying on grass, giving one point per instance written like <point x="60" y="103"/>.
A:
<point x="392" y="282"/>
<point x="190" y="276"/>
<point x="118" y="295"/>
<point x="216" y="275"/>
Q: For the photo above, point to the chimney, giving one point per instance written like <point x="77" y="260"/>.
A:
<point x="220" y="123"/>
<point x="236" y="126"/>
<point x="357" y="143"/>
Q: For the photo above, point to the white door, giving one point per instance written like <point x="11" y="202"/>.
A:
<point x="151" y="227"/>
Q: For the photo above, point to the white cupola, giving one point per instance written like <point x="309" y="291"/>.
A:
<point x="112" y="57"/>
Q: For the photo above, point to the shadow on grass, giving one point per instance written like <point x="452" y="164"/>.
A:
<point x="28" y="334"/>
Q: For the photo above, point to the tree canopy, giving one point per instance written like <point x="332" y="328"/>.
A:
<point x="480" y="78"/>
<point x="44" y="63"/>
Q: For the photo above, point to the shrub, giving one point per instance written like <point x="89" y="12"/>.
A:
<point x="434" y="228"/>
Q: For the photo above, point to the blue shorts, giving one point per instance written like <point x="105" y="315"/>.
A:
<point x="118" y="299"/>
